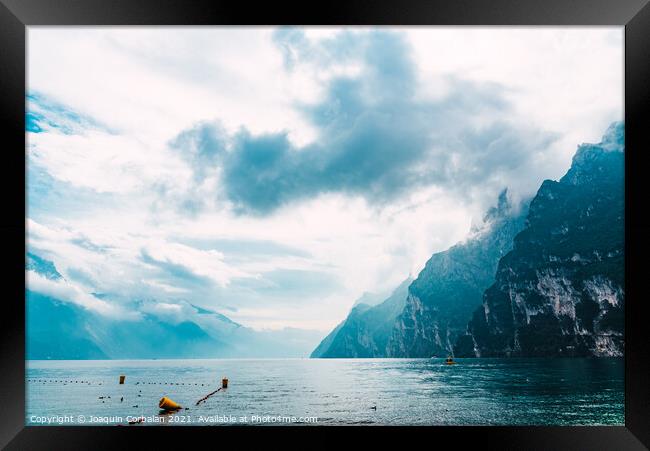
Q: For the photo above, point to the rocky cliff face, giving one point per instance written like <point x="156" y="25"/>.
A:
<point x="560" y="291"/>
<point x="451" y="285"/>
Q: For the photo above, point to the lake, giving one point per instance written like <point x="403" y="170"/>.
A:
<point x="329" y="391"/>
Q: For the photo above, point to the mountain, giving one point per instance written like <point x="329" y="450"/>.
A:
<point x="325" y="344"/>
<point x="424" y="317"/>
<point x="450" y="287"/>
<point x="560" y="291"/>
<point x="60" y="329"/>
<point x="52" y="331"/>
<point x="366" y="330"/>
<point x="57" y="329"/>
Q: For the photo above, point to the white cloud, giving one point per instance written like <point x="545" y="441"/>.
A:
<point x="207" y="264"/>
<point x="567" y="80"/>
<point x="104" y="162"/>
<point x="152" y="83"/>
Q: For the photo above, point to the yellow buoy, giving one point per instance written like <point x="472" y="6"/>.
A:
<point x="122" y="379"/>
<point x="167" y="404"/>
<point x="224" y="382"/>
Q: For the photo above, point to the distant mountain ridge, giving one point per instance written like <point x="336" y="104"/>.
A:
<point x="59" y="329"/>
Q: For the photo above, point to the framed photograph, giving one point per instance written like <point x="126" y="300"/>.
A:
<point x="421" y="215"/>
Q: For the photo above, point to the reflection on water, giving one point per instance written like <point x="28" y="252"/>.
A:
<point x="336" y="391"/>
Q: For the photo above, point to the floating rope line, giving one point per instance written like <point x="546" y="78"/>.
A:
<point x="207" y="396"/>
<point x="104" y="382"/>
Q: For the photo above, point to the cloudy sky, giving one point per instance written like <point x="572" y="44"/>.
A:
<point x="276" y="174"/>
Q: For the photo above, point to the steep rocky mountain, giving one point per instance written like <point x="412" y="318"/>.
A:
<point x="560" y="291"/>
<point x="366" y="330"/>
<point x="451" y="285"/>
<point x="424" y="317"/>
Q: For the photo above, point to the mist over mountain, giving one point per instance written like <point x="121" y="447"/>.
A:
<point x="560" y="291"/>
<point x="544" y="278"/>
<point x="424" y="316"/>
<point x="451" y="285"/>
<point x="61" y="329"/>
<point x="539" y="278"/>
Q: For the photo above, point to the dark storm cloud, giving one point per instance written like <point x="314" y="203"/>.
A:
<point x="375" y="136"/>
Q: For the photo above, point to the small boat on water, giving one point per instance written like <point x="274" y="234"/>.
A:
<point x="450" y="361"/>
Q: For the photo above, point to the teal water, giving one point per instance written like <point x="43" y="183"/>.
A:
<point x="336" y="391"/>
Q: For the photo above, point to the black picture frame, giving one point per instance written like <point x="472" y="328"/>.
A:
<point x="16" y="15"/>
